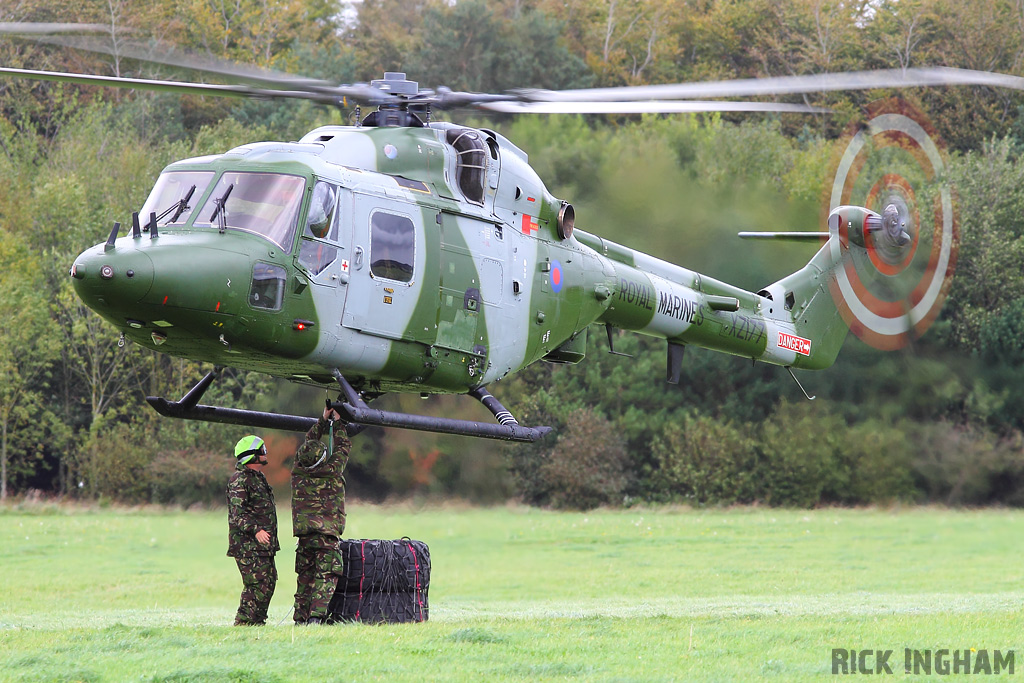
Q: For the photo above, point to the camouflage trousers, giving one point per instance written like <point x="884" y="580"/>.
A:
<point x="317" y="570"/>
<point x="259" y="576"/>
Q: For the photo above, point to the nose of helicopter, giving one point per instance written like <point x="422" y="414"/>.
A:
<point x="175" y="289"/>
<point x="111" y="279"/>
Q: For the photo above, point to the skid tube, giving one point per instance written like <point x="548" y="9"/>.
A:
<point x="353" y="410"/>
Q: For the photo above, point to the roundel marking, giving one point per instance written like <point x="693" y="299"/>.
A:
<point x="556" y="276"/>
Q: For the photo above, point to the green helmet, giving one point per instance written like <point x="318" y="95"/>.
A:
<point x="248" y="448"/>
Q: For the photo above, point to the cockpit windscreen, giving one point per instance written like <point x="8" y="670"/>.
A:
<point x="174" y="196"/>
<point x="266" y="204"/>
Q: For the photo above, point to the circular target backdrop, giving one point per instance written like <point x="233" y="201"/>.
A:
<point x="889" y="295"/>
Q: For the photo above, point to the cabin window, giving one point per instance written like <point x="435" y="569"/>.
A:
<point x="321" y="223"/>
<point x="392" y="246"/>
<point x="265" y="204"/>
<point x="470" y="162"/>
<point x="167" y="199"/>
<point x="267" y="290"/>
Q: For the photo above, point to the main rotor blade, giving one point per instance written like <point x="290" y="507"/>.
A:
<point x="782" y="85"/>
<point x="273" y="82"/>
<point x="650" y="107"/>
<point x="794" y="236"/>
<point x="42" y="28"/>
<point x="171" y="86"/>
<point x="168" y="55"/>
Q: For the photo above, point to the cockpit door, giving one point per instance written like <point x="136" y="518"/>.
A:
<point x="323" y="254"/>
<point x="393" y="271"/>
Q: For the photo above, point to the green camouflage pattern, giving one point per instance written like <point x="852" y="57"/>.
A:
<point x="491" y="284"/>
<point x="259" y="577"/>
<point x="318" y="494"/>
<point x="317" y="570"/>
<point x="251" y="507"/>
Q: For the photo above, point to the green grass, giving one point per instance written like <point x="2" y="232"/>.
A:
<point x="518" y="594"/>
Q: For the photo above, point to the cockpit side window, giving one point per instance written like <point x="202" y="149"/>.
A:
<point x="321" y="224"/>
<point x="265" y="204"/>
<point x="267" y="289"/>
<point x="470" y="164"/>
<point x="392" y="246"/>
<point x="321" y="210"/>
<point x="174" y="196"/>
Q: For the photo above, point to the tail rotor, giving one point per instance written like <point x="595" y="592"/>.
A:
<point x="895" y="218"/>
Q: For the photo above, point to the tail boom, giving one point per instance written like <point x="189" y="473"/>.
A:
<point x="657" y="298"/>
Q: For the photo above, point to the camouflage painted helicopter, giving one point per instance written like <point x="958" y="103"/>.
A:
<point x="402" y="254"/>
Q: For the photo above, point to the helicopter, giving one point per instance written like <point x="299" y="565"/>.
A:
<point x="402" y="254"/>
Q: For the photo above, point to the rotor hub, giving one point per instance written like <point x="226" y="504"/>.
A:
<point x="893" y="235"/>
<point x="394" y="82"/>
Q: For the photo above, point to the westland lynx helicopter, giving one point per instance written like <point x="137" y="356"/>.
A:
<point x="402" y="254"/>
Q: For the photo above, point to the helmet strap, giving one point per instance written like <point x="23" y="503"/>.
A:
<point x="256" y="456"/>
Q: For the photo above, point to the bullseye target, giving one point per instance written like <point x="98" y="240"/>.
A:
<point x="891" y="290"/>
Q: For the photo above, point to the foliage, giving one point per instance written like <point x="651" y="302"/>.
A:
<point x="27" y="349"/>
<point x="989" y="277"/>
<point x="801" y="456"/>
<point x="703" y="461"/>
<point x="116" y="465"/>
<point x="810" y="456"/>
<point x="74" y="159"/>
<point x="469" y="46"/>
<point x="968" y="466"/>
<point x="188" y="477"/>
<point x="588" y="465"/>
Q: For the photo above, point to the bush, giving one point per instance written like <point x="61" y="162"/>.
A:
<point x="188" y="477"/>
<point x="877" y="458"/>
<point x="115" y="466"/>
<point x="798" y="446"/>
<point x="959" y="465"/>
<point x="588" y="466"/>
<point x="703" y="461"/>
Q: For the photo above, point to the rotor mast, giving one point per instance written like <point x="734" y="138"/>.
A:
<point x="397" y="107"/>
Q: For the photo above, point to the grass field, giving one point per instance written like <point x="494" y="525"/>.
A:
<point x="519" y="594"/>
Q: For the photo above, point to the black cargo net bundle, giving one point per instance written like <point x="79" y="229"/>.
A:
<point x="383" y="581"/>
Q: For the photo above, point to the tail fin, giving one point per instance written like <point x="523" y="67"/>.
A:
<point x="806" y="298"/>
<point x="862" y="280"/>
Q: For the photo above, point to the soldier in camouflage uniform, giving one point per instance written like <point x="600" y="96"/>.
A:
<point x="252" y="531"/>
<point x="318" y="516"/>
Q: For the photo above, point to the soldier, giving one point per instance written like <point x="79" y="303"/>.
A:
<point x="318" y="516"/>
<point x="252" y="531"/>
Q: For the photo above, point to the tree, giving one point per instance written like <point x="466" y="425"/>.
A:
<point x="255" y="31"/>
<point x="27" y="344"/>
<point x="473" y="46"/>
<point x="624" y="41"/>
<point x="990" y="268"/>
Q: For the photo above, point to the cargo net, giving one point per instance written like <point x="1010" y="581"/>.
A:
<point x="383" y="582"/>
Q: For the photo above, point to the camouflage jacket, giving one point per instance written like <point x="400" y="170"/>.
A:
<point x="318" y="492"/>
<point x="250" y="508"/>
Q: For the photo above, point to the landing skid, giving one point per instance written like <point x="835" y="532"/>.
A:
<point x="353" y="410"/>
